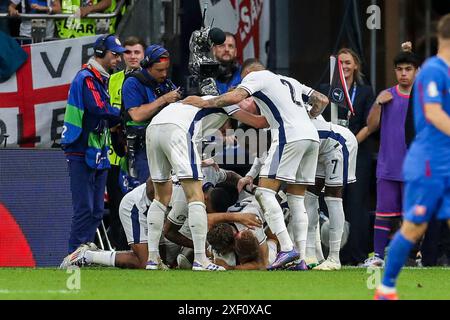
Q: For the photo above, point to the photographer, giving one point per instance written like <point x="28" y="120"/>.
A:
<point x="144" y="94"/>
<point x="229" y="75"/>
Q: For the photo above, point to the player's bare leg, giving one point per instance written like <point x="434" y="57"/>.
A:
<point x="88" y="254"/>
<point x="413" y="232"/>
<point x="135" y="259"/>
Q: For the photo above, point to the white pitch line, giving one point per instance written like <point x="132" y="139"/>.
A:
<point x="6" y="291"/>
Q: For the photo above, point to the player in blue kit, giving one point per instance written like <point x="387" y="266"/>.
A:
<point x="427" y="166"/>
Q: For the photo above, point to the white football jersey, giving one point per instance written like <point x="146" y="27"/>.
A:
<point x="337" y="153"/>
<point x="280" y="101"/>
<point x="137" y="197"/>
<point x="135" y="200"/>
<point x="210" y="175"/>
<point x="256" y="167"/>
<point x="330" y="136"/>
<point x="249" y="205"/>
<point x="179" y="213"/>
<point x="350" y="139"/>
<point x="199" y="123"/>
<point x="327" y="144"/>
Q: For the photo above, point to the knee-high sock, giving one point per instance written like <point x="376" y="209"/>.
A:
<point x="299" y="219"/>
<point x="319" y="252"/>
<point x="198" y="223"/>
<point x="337" y="219"/>
<point x="104" y="258"/>
<point x="274" y="217"/>
<point x="382" y="229"/>
<point x="155" y="223"/>
<point x="312" y="208"/>
<point x="398" y="253"/>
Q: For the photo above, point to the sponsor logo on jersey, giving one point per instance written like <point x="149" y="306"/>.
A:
<point x="432" y="89"/>
<point x="420" y="211"/>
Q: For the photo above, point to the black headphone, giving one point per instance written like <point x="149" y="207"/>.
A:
<point x="147" y="62"/>
<point x="100" y="49"/>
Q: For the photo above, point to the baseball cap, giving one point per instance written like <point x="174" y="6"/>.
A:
<point x="111" y="43"/>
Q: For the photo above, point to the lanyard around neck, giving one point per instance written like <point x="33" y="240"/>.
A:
<point x="354" y="93"/>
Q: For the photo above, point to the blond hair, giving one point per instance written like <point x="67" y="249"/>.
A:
<point x="358" y="73"/>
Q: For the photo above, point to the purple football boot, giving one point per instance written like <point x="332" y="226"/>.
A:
<point x="298" y="266"/>
<point x="283" y="258"/>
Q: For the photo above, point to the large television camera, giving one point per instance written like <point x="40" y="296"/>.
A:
<point x="202" y="64"/>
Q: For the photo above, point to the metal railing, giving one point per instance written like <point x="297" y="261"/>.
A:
<point x="65" y="15"/>
<point x="39" y="23"/>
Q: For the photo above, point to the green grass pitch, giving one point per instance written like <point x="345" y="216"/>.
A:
<point x="116" y="284"/>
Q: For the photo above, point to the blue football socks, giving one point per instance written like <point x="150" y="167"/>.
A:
<point x="397" y="255"/>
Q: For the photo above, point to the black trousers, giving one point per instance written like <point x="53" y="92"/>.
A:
<point x="356" y="201"/>
<point x="436" y="243"/>
<point x="115" y="231"/>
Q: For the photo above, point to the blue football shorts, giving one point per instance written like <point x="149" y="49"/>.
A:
<point x="425" y="198"/>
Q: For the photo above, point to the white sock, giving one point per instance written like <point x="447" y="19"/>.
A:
<point x="274" y="217"/>
<point x="319" y="252"/>
<point x="312" y="208"/>
<point x="198" y="223"/>
<point x="104" y="258"/>
<point x="337" y="219"/>
<point x="387" y="290"/>
<point x="299" y="219"/>
<point x="155" y="223"/>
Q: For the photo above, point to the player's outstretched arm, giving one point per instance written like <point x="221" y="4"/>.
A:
<point x="172" y="234"/>
<point x="253" y="265"/>
<point x="225" y="100"/>
<point x="318" y="102"/>
<point x="438" y="117"/>
<point x="255" y="121"/>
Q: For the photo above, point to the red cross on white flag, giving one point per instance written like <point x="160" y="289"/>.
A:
<point x="33" y="100"/>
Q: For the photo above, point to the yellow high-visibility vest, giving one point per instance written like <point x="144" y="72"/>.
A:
<point x="115" y="94"/>
<point x="74" y="28"/>
<point x="115" y="89"/>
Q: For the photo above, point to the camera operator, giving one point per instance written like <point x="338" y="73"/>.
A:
<point x="145" y="93"/>
<point x="229" y="75"/>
